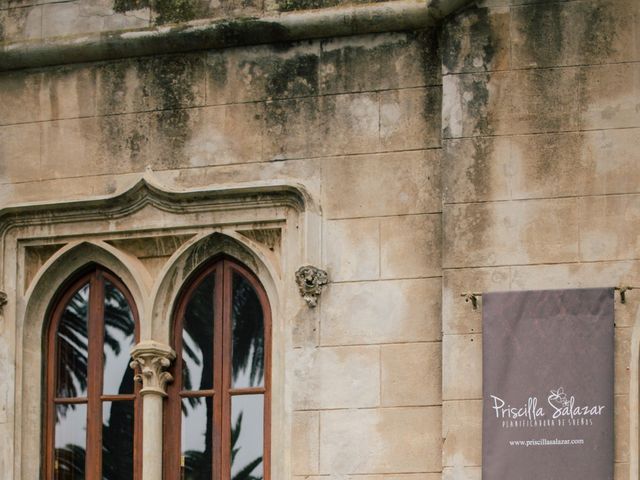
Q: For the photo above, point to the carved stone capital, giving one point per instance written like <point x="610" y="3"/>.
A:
<point x="153" y="359"/>
<point x="310" y="281"/>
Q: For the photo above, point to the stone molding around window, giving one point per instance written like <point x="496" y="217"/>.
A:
<point x="152" y="236"/>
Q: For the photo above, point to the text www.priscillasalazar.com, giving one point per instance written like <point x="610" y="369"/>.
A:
<point x="544" y="442"/>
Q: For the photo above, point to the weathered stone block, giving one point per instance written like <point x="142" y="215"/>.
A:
<point x="379" y="62"/>
<point x="573" y="33"/>
<point x="540" y="166"/>
<point x="410" y="118"/>
<point x="600" y="217"/>
<point x="95" y="145"/>
<point x="320" y="386"/>
<point x="305" y="442"/>
<point x="461" y="472"/>
<point x="291" y="129"/>
<point x="302" y="172"/>
<point x="380" y="440"/>
<point x="477" y="40"/>
<point x="515" y="102"/>
<point x="20" y="97"/>
<point x="381" y="312"/>
<point x="387" y="184"/>
<point x="544" y="166"/>
<point x="610" y="159"/>
<point x="476" y="169"/>
<point x="610" y="96"/>
<point x="623" y="346"/>
<point x="56" y="93"/>
<point x="411" y="374"/>
<point x="411" y="246"/>
<point x="461" y="367"/>
<point x="348" y="124"/>
<point x="68" y="92"/>
<point x="73" y="18"/>
<point x="20" y="24"/>
<point x="621" y="471"/>
<point x="508" y="233"/>
<point x="352" y="249"/>
<point x="621" y="428"/>
<point x="458" y="316"/>
<point x="151" y="83"/>
<point x="462" y="433"/>
<point x="20" y="153"/>
<point x="573" y="275"/>
<point x="207" y="136"/>
<point x="172" y="11"/>
<point x="262" y="72"/>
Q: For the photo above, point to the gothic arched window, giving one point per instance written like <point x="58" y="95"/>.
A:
<point x="218" y="412"/>
<point x="93" y="430"/>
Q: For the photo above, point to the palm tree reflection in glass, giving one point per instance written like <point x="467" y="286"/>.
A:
<point x="118" y="416"/>
<point x="72" y="382"/>
<point x="247" y="365"/>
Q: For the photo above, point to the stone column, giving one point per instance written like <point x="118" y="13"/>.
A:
<point x="152" y="359"/>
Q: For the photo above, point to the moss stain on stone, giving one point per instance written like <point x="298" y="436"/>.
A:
<point x="167" y="11"/>
<point x="171" y="80"/>
<point x="544" y="32"/>
<point x="174" y="11"/>
<point x="122" y="6"/>
<point x="470" y="41"/>
<point x="293" y="5"/>
<point x="111" y="81"/>
<point x="600" y="31"/>
<point x="293" y="77"/>
<point x="218" y="69"/>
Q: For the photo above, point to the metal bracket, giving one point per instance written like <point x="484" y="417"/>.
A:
<point x="471" y="297"/>
<point x="623" y="291"/>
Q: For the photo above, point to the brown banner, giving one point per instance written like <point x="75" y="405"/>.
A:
<point x="548" y="385"/>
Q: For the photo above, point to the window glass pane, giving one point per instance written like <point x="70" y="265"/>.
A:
<point x="197" y="438"/>
<point x="197" y="338"/>
<point x="71" y="347"/>
<point x="70" y="442"/>
<point x="117" y="440"/>
<point x="119" y="337"/>
<point x="248" y="335"/>
<point x="247" y="437"/>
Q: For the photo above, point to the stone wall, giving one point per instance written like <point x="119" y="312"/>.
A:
<point x="541" y="145"/>
<point x="356" y="121"/>
<point x="24" y="20"/>
<point x="499" y="152"/>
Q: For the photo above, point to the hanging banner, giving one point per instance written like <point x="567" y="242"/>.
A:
<point x="548" y="385"/>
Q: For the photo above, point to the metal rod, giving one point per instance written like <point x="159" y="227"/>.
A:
<point x="623" y="290"/>
<point x="473" y="297"/>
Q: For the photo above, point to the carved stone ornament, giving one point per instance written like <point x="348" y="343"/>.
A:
<point x="310" y="281"/>
<point x="153" y="359"/>
<point x="3" y="301"/>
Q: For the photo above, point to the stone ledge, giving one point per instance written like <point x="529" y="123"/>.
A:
<point x="330" y="22"/>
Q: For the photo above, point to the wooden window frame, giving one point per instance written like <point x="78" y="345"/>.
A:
<point x="95" y="276"/>
<point x="224" y="268"/>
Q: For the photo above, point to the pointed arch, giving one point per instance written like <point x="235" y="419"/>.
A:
<point x="34" y="309"/>
<point x="189" y="258"/>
